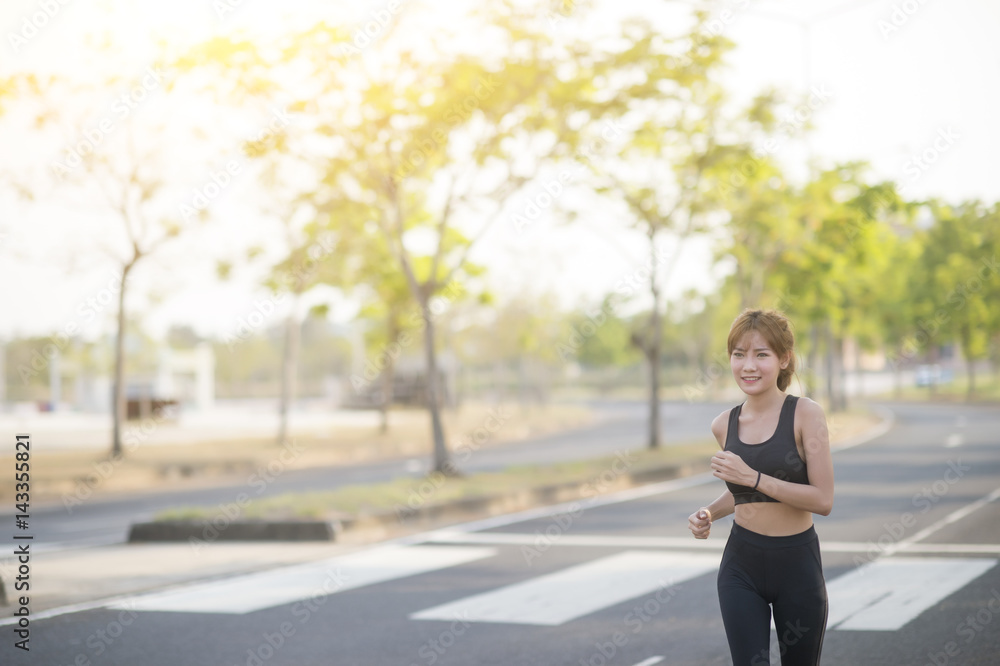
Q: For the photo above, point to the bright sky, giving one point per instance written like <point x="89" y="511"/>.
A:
<point x="909" y="86"/>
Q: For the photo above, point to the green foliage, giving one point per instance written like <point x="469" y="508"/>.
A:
<point x="601" y="337"/>
<point x="959" y="280"/>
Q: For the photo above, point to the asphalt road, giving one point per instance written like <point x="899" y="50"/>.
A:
<point x="909" y="553"/>
<point x="106" y="520"/>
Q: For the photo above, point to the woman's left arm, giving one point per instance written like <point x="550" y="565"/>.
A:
<point x="817" y="495"/>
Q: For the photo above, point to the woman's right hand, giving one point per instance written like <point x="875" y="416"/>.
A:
<point x="700" y="523"/>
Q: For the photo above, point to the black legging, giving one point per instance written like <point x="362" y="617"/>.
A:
<point x="784" y="572"/>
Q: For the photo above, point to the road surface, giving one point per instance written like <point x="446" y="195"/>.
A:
<point x="910" y="555"/>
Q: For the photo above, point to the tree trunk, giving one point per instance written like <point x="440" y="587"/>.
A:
<point x="831" y="392"/>
<point x="898" y="372"/>
<point x="388" y="376"/>
<point x="811" y="361"/>
<point x="858" y="372"/>
<point x="654" y="382"/>
<point x="654" y="345"/>
<point x="970" y="364"/>
<point x="442" y="459"/>
<point x="118" y="406"/>
<point x="289" y="370"/>
<point x="933" y="355"/>
<point x="841" y="375"/>
<point x="386" y="397"/>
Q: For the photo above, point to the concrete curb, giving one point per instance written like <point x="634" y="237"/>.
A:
<point x="186" y="530"/>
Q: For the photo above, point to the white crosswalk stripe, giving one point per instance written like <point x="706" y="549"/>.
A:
<point x="557" y="598"/>
<point x="886" y="594"/>
<point x="251" y="592"/>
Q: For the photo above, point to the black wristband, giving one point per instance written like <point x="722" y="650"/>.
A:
<point x="758" y="481"/>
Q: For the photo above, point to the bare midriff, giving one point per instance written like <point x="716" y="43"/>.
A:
<point x="772" y="518"/>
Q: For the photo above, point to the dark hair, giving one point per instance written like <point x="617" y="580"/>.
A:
<point x="777" y="332"/>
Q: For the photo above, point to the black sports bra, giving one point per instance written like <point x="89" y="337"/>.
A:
<point x="776" y="456"/>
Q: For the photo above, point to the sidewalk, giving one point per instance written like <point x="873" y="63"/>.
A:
<point x="84" y="575"/>
<point x="88" y="577"/>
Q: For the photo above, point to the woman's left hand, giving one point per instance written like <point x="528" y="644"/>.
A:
<point x="730" y="467"/>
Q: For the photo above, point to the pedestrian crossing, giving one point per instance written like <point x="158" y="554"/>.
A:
<point x="580" y="590"/>
<point x="886" y="594"/>
<point x="266" y="589"/>
<point x="882" y="595"/>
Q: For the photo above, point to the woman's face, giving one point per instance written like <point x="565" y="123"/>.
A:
<point x="755" y="365"/>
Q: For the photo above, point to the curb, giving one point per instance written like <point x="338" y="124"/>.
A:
<point x="186" y="530"/>
<point x="405" y="517"/>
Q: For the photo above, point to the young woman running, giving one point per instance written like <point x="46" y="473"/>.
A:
<point x="776" y="463"/>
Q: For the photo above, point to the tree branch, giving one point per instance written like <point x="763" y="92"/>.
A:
<point x="441" y="229"/>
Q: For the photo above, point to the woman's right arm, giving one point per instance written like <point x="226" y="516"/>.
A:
<point x="701" y="524"/>
<point x="723" y="506"/>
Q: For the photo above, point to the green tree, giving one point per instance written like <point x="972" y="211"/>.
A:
<point x="829" y="276"/>
<point x="684" y="146"/>
<point x="434" y="163"/>
<point x="957" y="256"/>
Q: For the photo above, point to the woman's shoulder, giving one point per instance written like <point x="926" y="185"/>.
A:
<point x="808" y="407"/>
<point x="720" y="426"/>
<point x="809" y="413"/>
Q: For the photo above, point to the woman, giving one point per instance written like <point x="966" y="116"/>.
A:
<point x="776" y="463"/>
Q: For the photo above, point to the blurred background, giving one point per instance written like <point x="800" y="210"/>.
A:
<point x="235" y="220"/>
